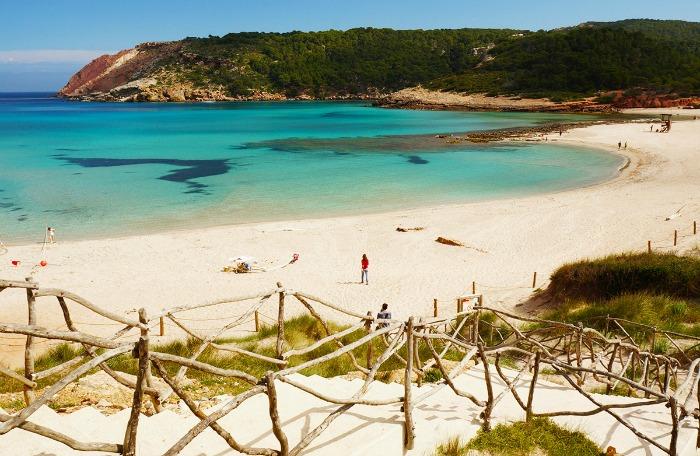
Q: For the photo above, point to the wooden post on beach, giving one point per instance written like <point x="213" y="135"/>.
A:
<point x="257" y="321"/>
<point x="280" y="322"/>
<point x="648" y="246"/>
<point x="473" y="287"/>
<point x="29" y="346"/>
<point x="534" y="279"/>
<point x="695" y="227"/>
<point x="140" y="352"/>
<point x="531" y="392"/>
<point x="435" y="308"/>
<point x="675" y="237"/>
<point x="409" y="429"/>
<point x="162" y="326"/>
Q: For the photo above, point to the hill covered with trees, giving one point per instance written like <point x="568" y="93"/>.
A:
<point x="657" y="56"/>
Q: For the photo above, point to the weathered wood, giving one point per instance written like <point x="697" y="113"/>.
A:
<point x="19" y="284"/>
<point x="486" y="413"/>
<point x="197" y="411"/>
<point x="435" y="308"/>
<point x="673" y="446"/>
<point x="29" y="346"/>
<point x="161" y="324"/>
<point x="204" y="367"/>
<point x="262" y="296"/>
<point x="327" y="330"/>
<point x="206" y="422"/>
<point x="280" y="324"/>
<point x="64" y="439"/>
<point x="320" y="342"/>
<point x="448" y="380"/>
<point x="141" y="351"/>
<point x="597" y="410"/>
<point x="257" y="320"/>
<point x="308" y="438"/>
<point x="329" y="305"/>
<point x="340" y="351"/>
<point x="58" y="386"/>
<point x="611" y="363"/>
<point x="14" y="375"/>
<point x="87" y="304"/>
<point x="274" y="415"/>
<point x="68" y="336"/>
<point x="608" y="411"/>
<point x="335" y="400"/>
<point x="409" y="427"/>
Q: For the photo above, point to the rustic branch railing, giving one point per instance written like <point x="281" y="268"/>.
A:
<point x="582" y="356"/>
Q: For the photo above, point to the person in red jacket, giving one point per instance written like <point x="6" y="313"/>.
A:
<point x="365" y="266"/>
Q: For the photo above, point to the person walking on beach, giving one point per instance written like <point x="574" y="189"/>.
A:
<point x="619" y="145"/>
<point x="365" y="265"/>
<point x="383" y="314"/>
<point x="51" y="235"/>
<point x="625" y="145"/>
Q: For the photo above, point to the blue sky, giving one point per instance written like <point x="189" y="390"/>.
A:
<point x="42" y="42"/>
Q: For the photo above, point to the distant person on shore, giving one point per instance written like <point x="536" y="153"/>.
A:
<point x="619" y="145"/>
<point x="383" y="314"/>
<point x="365" y="266"/>
<point x="651" y="129"/>
<point x="51" y="235"/>
<point x="625" y="145"/>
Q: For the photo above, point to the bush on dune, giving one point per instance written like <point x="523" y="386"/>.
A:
<point x="616" y="275"/>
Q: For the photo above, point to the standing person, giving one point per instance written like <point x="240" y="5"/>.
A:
<point x="652" y="128"/>
<point x="51" y="235"/>
<point x="619" y="145"/>
<point x="625" y="144"/>
<point x="383" y="314"/>
<point x="365" y="265"/>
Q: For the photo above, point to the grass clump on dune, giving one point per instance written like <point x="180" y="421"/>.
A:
<point x="656" y="273"/>
<point x="663" y="312"/>
<point x="522" y="439"/>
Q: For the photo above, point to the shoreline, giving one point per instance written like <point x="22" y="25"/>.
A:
<point x="505" y="242"/>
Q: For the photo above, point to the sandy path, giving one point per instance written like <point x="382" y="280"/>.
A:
<point x="510" y="239"/>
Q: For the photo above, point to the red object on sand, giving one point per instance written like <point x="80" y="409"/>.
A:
<point x="15" y="262"/>
<point x="43" y="263"/>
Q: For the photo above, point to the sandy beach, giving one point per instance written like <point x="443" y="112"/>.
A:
<point x="505" y="242"/>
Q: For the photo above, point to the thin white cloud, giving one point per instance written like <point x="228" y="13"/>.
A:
<point x="49" y="56"/>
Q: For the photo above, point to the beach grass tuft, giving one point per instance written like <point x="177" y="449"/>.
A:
<point x="522" y="439"/>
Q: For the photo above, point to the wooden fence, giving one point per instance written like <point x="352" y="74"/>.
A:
<point x="617" y="357"/>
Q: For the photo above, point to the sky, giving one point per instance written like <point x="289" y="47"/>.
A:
<point x="43" y="42"/>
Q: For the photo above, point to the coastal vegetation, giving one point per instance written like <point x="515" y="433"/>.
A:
<point x="659" y="290"/>
<point x="523" y="439"/>
<point x="632" y="56"/>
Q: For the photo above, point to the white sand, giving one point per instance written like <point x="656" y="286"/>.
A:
<point x="509" y="238"/>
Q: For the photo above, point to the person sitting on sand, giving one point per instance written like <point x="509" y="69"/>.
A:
<point x="365" y="265"/>
<point x="383" y="314"/>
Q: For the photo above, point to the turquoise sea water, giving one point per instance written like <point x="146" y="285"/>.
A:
<point x="101" y="169"/>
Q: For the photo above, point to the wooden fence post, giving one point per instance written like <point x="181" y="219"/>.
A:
<point x="473" y="287"/>
<point x="475" y="328"/>
<point x="648" y="246"/>
<point x="435" y="307"/>
<point x="409" y="430"/>
<point x="672" y="449"/>
<point x="162" y="326"/>
<point x="368" y="328"/>
<point x="695" y="227"/>
<point x="140" y="352"/>
<point x="675" y="237"/>
<point x="257" y="321"/>
<point x="486" y="413"/>
<point x="534" y="279"/>
<point x="533" y="383"/>
<point x="29" y="346"/>
<point x="280" y="323"/>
